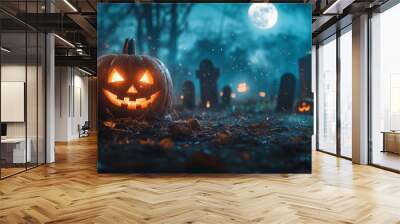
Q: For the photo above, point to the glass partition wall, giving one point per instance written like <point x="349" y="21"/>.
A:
<point x="385" y="89"/>
<point x="345" y="91"/>
<point x="22" y="77"/>
<point x="334" y="94"/>
<point x="327" y="95"/>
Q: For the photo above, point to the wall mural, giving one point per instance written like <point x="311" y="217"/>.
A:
<point x="204" y="88"/>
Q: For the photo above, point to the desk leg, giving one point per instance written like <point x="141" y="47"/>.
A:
<point x="384" y="142"/>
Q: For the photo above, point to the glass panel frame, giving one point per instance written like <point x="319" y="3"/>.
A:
<point x="341" y="89"/>
<point x="14" y="143"/>
<point x="26" y="57"/>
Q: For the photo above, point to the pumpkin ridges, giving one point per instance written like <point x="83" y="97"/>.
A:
<point x="168" y="80"/>
<point x="166" y="99"/>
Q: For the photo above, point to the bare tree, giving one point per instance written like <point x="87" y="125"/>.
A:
<point x="155" y="21"/>
<point x="178" y="24"/>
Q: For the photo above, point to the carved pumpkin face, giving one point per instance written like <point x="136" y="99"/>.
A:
<point x="133" y="92"/>
<point x="134" y="86"/>
<point x="304" y="106"/>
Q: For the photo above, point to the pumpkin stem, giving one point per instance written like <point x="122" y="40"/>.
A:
<point x="129" y="46"/>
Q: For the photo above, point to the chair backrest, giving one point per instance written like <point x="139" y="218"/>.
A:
<point x="86" y="124"/>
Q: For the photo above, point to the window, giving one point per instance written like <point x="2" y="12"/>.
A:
<point x="335" y="137"/>
<point x="385" y="89"/>
<point x="327" y="96"/>
<point x="346" y="93"/>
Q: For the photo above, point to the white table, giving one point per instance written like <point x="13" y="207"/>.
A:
<point x="19" y="153"/>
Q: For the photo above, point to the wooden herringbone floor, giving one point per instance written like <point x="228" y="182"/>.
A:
<point x="71" y="191"/>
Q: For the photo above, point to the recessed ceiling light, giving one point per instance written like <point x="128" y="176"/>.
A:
<point x="334" y="5"/>
<point x="65" y="41"/>
<point x="84" y="71"/>
<point x="70" y="5"/>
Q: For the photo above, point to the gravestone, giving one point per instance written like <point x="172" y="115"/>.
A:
<point x="188" y="95"/>
<point x="226" y="96"/>
<point x="208" y="76"/>
<point x="305" y="77"/>
<point x="286" y="93"/>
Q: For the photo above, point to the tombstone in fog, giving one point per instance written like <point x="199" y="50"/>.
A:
<point x="286" y="93"/>
<point x="226" y="96"/>
<point x="305" y="77"/>
<point x="188" y="95"/>
<point x="208" y="76"/>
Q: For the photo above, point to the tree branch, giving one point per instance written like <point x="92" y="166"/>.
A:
<point x="183" y="19"/>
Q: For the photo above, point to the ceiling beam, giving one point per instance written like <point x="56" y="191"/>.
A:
<point x="78" y="61"/>
<point x="84" y="24"/>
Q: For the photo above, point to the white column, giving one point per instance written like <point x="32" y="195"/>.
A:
<point x="360" y="90"/>
<point x="50" y="99"/>
<point x="50" y="92"/>
<point x="62" y="103"/>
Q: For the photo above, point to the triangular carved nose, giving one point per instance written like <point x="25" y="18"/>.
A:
<point x="132" y="90"/>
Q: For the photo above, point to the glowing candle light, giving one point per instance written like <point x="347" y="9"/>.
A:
<point x="242" y="87"/>
<point x="208" y="104"/>
<point x="233" y="95"/>
<point x="182" y="97"/>
<point x="262" y="94"/>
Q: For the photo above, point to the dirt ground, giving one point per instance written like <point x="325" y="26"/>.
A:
<point x="206" y="141"/>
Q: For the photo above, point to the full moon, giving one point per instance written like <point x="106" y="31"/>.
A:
<point x="263" y="15"/>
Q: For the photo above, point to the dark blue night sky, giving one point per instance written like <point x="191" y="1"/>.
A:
<point x="223" y="33"/>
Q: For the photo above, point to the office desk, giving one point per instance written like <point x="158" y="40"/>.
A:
<point x="391" y="141"/>
<point x="15" y="148"/>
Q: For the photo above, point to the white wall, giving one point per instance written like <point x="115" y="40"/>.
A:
<point x="61" y="103"/>
<point x="16" y="73"/>
<point x="71" y="102"/>
<point x="80" y="110"/>
<point x="33" y="127"/>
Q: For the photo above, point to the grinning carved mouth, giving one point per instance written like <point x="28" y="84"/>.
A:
<point x="139" y="103"/>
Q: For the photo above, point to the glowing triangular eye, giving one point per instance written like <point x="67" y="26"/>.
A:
<point x="147" y="78"/>
<point x="115" y="77"/>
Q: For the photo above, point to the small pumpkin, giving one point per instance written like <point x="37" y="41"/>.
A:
<point x="304" y="106"/>
<point x="136" y="86"/>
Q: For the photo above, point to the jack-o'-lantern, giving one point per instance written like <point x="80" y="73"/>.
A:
<point x="135" y="86"/>
<point x="304" y="106"/>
